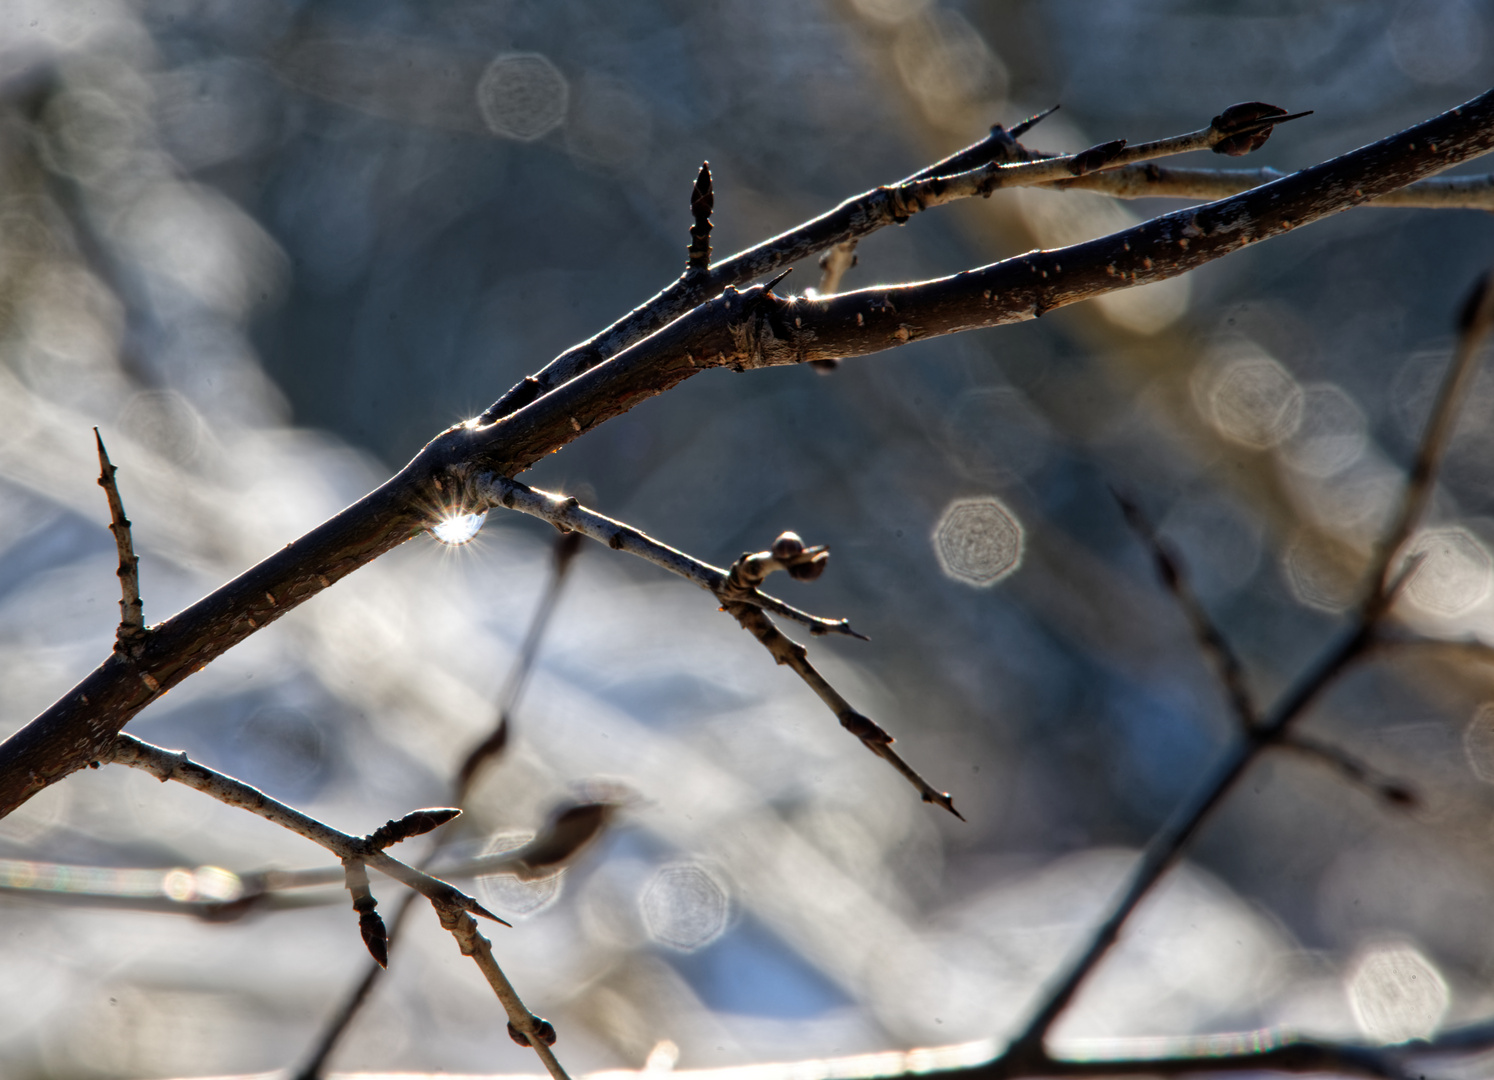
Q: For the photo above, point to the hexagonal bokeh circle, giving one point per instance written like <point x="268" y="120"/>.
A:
<point x="978" y="541"/>
<point x="684" y="907"/>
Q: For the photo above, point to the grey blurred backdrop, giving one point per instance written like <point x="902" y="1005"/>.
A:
<point x="270" y="248"/>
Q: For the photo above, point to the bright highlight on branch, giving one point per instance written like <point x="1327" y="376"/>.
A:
<point x="458" y="528"/>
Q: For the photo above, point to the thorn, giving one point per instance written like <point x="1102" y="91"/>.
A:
<point x="1018" y="130"/>
<point x="702" y="202"/>
<point x="769" y="286"/>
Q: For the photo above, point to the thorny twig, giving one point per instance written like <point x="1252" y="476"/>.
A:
<point x="736" y="589"/>
<point x="132" y="629"/>
<point x="483" y="753"/>
<point x="790" y="653"/>
<point x="739" y="329"/>
<point x="165" y="765"/>
<point x="565" y="512"/>
<point x="454" y="907"/>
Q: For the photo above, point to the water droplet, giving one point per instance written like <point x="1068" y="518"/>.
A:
<point x="458" y="528"/>
<point x="978" y="541"/>
<point x="1397" y="994"/>
<point x="684" y="907"/>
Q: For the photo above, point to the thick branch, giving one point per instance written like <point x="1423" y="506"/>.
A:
<point x="750" y="328"/>
<point x="851" y="220"/>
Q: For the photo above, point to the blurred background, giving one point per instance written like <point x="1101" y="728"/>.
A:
<point x="269" y="248"/>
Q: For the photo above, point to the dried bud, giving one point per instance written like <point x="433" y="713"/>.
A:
<point x="865" y="728"/>
<point x="1247" y="126"/>
<point x="375" y="936"/>
<point x="810" y="568"/>
<point x="788" y="546"/>
<point x="542" y="1028"/>
<point x="414" y="823"/>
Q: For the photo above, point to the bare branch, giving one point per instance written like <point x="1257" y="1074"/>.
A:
<point x="1167" y="844"/>
<point x="132" y="629"/>
<point x="564" y="512"/>
<point x="165" y="765"/>
<point x="1396" y="793"/>
<point x="567" y="547"/>
<point x="1211" y="641"/>
<point x="873" y="737"/>
<point x="1169" y="182"/>
<point x="1474" y="326"/>
<point x="846" y="222"/>
<point x="740" y="329"/>
<point x="524" y="1027"/>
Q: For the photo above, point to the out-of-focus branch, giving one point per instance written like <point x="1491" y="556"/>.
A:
<point x="876" y="739"/>
<point x="739" y="329"/>
<point x="1395" y="793"/>
<point x="1214" y="645"/>
<point x="484" y="753"/>
<point x="1385" y="584"/>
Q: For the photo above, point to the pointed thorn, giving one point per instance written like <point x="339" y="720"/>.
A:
<point x="1018" y="130"/>
<point x="769" y="286"/>
<point x="477" y="909"/>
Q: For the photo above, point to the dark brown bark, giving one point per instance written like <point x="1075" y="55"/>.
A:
<point x="740" y="329"/>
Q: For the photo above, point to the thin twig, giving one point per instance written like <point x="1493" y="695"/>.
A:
<point x="736" y="329"/>
<point x="523" y="1026"/>
<point x="702" y="202"/>
<point x="567" y="546"/>
<point x="846" y="222"/>
<point x="873" y="736"/>
<point x="493" y="489"/>
<point x="132" y="631"/>
<point x="454" y="907"/>
<point x="1477" y="318"/>
<point x="1396" y="793"/>
<point x="1211" y="641"/>
<point x="1152" y="181"/>
<point x="165" y="765"/>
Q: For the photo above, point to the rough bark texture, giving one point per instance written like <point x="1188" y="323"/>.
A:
<point x="739" y="329"/>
